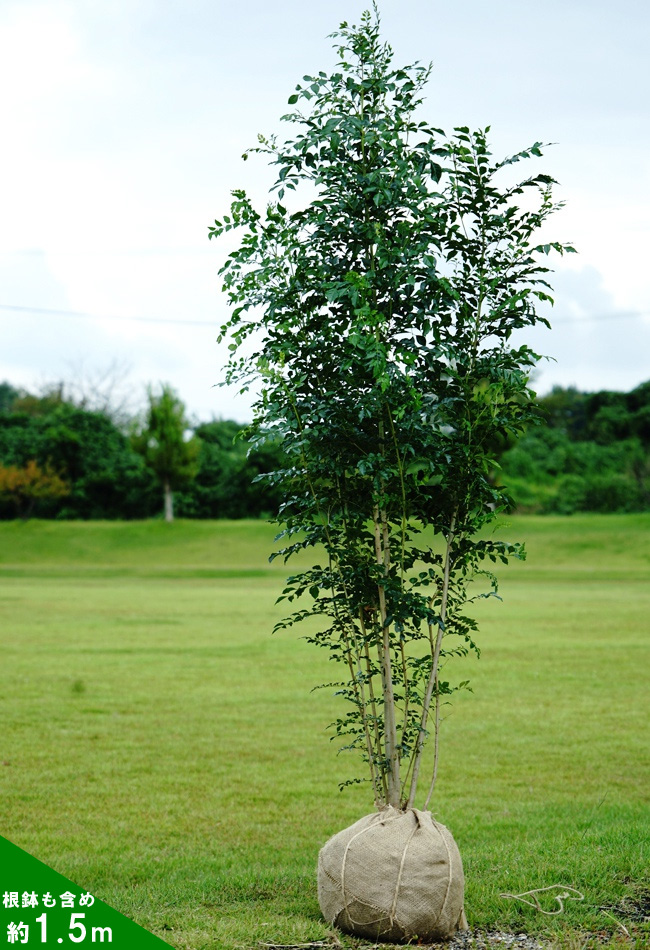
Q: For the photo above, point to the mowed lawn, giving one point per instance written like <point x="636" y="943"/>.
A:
<point x="161" y="748"/>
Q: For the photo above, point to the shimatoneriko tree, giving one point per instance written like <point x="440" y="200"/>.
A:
<point x="383" y="309"/>
<point x="162" y="442"/>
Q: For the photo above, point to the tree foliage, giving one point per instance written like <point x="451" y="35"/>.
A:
<point x="8" y="396"/>
<point x="24" y="486"/>
<point x="230" y="479"/>
<point x="593" y="454"/>
<point x="106" y="478"/>
<point x="382" y="311"/>
<point x="162" y="442"/>
<point x="571" y="463"/>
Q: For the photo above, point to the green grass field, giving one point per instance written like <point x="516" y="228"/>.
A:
<point x="163" y="750"/>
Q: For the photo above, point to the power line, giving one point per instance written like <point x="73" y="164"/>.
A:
<point x="616" y="315"/>
<point x="112" y="252"/>
<point x="99" y="316"/>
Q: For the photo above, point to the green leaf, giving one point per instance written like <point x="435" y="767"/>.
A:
<point x="382" y="311"/>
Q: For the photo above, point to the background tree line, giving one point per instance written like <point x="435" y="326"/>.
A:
<point x="590" y="453"/>
<point x="61" y="458"/>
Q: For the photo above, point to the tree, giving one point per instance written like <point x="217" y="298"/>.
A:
<point x="162" y="441"/>
<point x="25" y="485"/>
<point x="103" y="389"/>
<point x="230" y="480"/>
<point x="592" y="454"/>
<point x="8" y="396"/>
<point x="565" y="409"/>
<point x="384" y="310"/>
<point x="106" y="478"/>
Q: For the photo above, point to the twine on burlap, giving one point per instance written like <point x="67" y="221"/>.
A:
<point x="560" y="898"/>
<point x="391" y="916"/>
<point x="383" y="913"/>
<point x="444" y="841"/>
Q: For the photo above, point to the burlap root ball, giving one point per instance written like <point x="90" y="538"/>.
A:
<point x="393" y="876"/>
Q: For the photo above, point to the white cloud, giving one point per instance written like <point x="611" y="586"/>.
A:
<point x="127" y="119"/>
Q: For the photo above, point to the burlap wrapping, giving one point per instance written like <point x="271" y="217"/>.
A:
<point x="393" y="876"/>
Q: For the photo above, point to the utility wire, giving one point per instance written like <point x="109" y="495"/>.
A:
<point x="99" y="316"/>
<point x="617" y="315"/>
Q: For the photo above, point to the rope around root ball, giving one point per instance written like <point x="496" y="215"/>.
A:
<point x="560" y="898"/>
<point x="391" y="916"/>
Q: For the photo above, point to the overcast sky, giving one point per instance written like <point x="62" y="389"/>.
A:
<point x="123" y="125"/>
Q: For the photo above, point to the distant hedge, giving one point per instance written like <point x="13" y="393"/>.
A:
<point x="590" y="453"/>
<point x="106" y="478"/>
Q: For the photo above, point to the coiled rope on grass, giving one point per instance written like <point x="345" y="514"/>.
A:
<point x="560" y="898"/>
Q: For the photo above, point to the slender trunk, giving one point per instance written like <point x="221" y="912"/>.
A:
<point x="433" y="676"/>
<point x="390" y="725"/>
<point x="377" y="748"/>
<point x="356" y="679"/>
<point x="169" y="501"/>
<point x="436" y="747"/>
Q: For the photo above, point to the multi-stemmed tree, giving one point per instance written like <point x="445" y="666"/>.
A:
<point x="383" y="308"/>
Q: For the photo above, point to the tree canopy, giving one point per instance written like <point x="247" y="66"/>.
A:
<point x="382" y="300"/>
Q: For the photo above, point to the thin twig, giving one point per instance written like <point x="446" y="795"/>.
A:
<point x="621" y="926"/>
<point x="373" y="705"/>
<point x="433" y="676"/>
<point x="383" y="643"/>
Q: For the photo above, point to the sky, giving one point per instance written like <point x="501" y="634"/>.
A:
<point x="124" y="122"/>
